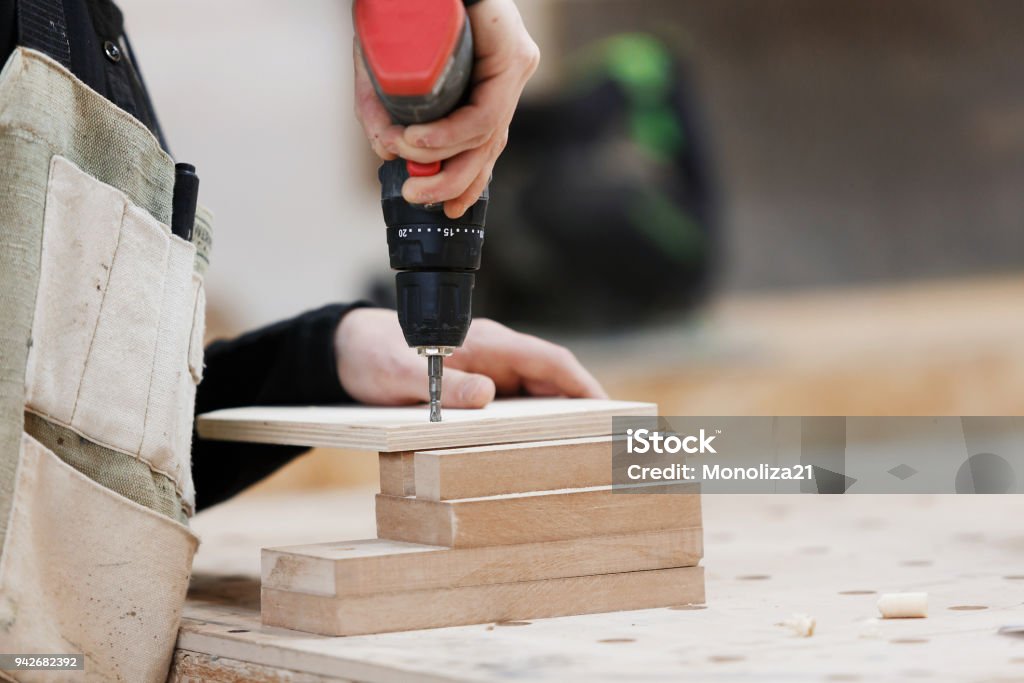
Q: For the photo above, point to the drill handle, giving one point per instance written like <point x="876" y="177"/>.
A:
<point x="419" y="54"/>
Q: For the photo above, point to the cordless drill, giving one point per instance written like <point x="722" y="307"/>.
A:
<point x="419" y="54"/>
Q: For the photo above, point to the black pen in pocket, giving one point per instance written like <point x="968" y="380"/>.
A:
<point x="183" y="207"/>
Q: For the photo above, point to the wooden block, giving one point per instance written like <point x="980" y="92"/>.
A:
<point x="408" y="428"/>
<point x="381" y="566"/>
<point x="512" y="468"/>
<point x="396" y="474"/>
<point x="412" y="610"/>
<point x="536" y="517"/>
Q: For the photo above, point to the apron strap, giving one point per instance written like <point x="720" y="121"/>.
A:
<point x="42" y="27"/>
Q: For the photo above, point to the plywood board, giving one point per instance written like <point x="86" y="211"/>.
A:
<point x="536" y="517"/>
<point x="408" y="428"/>
<point x="414" y="610"/>
<point x="381" y="566"/>
<point x="512" y="468"/>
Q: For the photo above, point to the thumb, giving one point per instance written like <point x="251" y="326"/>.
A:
<point x="461" y="389"/>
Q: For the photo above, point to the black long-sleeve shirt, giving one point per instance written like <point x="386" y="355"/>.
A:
<point x="291" y="362"/>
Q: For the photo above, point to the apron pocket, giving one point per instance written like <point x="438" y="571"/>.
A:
<point x="113" y="352"/>
<point x="85" y="570"/>
<point x="112" y="399"/>
<point x="81" y="226"/>
<point x="171" y="389"/>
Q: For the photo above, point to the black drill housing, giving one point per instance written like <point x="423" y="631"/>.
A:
<point x="436" y="257"/>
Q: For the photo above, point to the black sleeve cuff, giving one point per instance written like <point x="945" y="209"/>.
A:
<point x="291" y="362"/>
<point x="306" y="369"/>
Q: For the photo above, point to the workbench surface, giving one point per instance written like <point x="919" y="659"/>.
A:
<point x="766" y="557"/>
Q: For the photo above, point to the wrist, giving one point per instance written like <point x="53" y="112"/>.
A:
<point x="344" y="331"/>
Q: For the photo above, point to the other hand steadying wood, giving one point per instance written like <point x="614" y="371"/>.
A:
<point x="376" y="366"/>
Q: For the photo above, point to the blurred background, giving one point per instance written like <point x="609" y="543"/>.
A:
<point x="728" y="207"/>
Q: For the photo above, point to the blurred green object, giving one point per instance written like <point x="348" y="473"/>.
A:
<point x="645" y="70"/>
<point x="603" y="211"/>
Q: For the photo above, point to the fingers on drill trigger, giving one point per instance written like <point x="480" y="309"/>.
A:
<point x="458" y="206"/>
<point x="454" y="178"/>
<point x="466" y="390"/>
<point x="455" y="208"/>
<point x="465" y="128"/>
<point x="410" y="153"/>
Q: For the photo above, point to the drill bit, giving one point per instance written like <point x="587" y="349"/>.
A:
<point x="435" y="368"/>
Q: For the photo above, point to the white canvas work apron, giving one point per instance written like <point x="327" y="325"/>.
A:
<point x="101" y="331"/>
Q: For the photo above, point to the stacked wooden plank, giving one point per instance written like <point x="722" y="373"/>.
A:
<point x="491" y="533"/>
